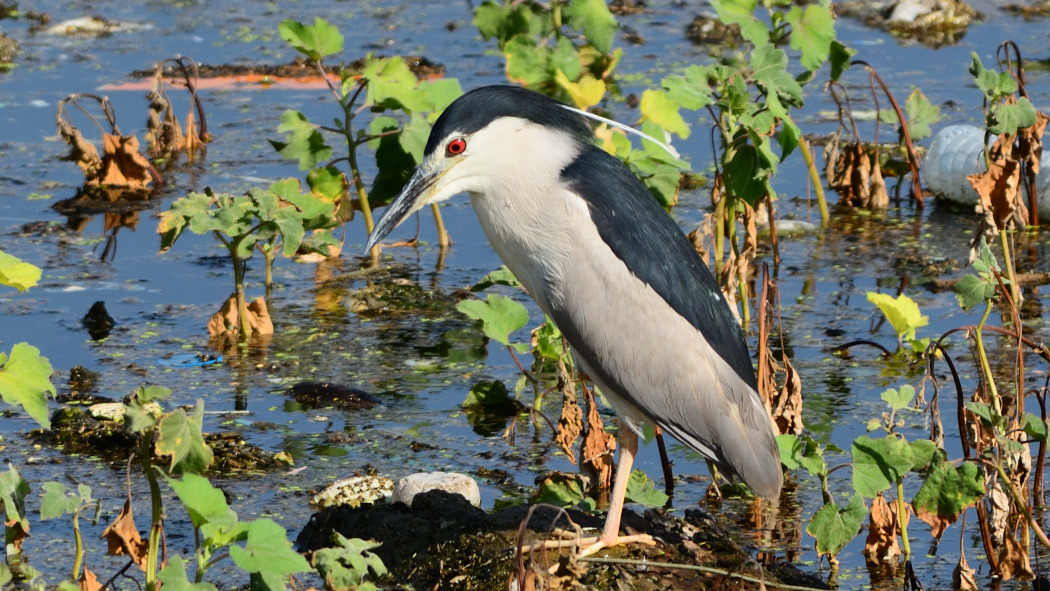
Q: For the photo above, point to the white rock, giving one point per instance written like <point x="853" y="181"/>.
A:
<point x="408" y="487"/>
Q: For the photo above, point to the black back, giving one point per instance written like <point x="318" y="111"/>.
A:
<point x="655" y="250"/>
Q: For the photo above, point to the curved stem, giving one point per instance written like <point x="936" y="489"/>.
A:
<point x="901" y="523"/>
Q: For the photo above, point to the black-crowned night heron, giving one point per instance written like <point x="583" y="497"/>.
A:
<point x="643" y="315"/>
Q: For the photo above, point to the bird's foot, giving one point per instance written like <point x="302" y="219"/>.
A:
<point x="589" y="545"/>
<point x="600" y="543"/>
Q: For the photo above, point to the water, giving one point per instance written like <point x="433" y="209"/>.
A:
<point x="421" y="364"/>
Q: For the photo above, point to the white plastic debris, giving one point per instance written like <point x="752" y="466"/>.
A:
<point x="453" y="482"/>
<point x="958" y="151"/>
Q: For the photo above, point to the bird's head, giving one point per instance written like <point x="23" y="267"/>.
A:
<point x="491" y="136"/>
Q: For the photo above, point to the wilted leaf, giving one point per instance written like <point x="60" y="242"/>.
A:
<point x="123" y="165"/>
<point x="882" y="544"/>
<point x="964" y="578"/>
<point x="89" y="581"/>
<point x="1013" y="561"/>
<point x="570" y="425"/>
<point x="123" y="539"/>
<point x="561" y="489"/>
<point x="227" y="320"/>
<point x="598" y="446"/>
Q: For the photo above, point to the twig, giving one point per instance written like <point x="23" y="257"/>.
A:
<point x="694" y="567"/>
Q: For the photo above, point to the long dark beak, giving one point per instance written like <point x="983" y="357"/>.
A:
<point x="418" y="192"/>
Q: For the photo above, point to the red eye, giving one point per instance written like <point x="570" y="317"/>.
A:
<point x="456" y="146"/>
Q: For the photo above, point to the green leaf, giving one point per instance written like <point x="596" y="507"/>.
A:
<point x="561" y="490"/>
<point x="879" y="463"/>
<point x="949" y="489"/>
<point x="804" y="452"/>
<point x="1007" y="118"/>
<point x="642" y="490"/>
<point x="656" y="106"/>
<point x="812" y="31"/>
<point x="205" y="503"/>
<point x="13" y="492"/>
<point x="1034" y="426"/>
<point x="316" y="42"/>
<point x="745" y="174"/>
<point x="987" y="414"/>
<point x="742" y="12"/>
<point x="922" y="453"/>
<point x="16" y="273"/>
<point x="303" y="141"/>
<point x="899" y="399"/>
<point x="691" y="90"/>
<point x="594" y="19"/>
<point x="902" y="312"/>
<point x="921" y="114"/>
<point x="25" y="381"/>
<point x="268" y="553"/>
<point x="181" y="439"/>
<point x="833" y="527"/>
<point x="971" y="291"/>
<point x="840" y="56"/>
<point x="501" y="276"/>
<point x="173" y="577"/>
<point x="393" y="85"/>
<point x="769" y="66"/>
<point x="491" y="394"/>
<point x="499" y="315"/>
<point x="57" y="503"/>
<point x="348" y="562"/>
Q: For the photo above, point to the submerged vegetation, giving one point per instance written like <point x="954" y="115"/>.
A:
<point x="749" y="97"/>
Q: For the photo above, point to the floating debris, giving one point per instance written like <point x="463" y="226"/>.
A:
<point x="354" y="491"/>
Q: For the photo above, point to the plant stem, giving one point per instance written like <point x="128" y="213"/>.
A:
<point x="814" y="177"/>
<point x="1008" y="262"/>
<point x="986" y="368"/>
<point x="156" y="513"/>
<point x="78" y="542"/>
<point x="906" y="545"/>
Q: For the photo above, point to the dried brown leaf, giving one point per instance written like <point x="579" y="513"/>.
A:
<point x="123" y="539"/>
<point x="83" y="152"/>
<point x="786" y="406"/>
<point x="123" y="165"/>
<point x="1013" y="561"/>
<point x="598" y="446"/>
<point x="17" y="532"/>
<point x="570" y="425"/>
<point x="882" y="544"/>
<point x="89" y="581"/>
<point x="964" y="578"/>
<point x="227" y="321"/>
<point x="878" y="197"/>
<point x="164" y="135"/>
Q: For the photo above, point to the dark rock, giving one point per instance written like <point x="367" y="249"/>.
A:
<point x="98" y="322"/>
<point x="315" y="394"/>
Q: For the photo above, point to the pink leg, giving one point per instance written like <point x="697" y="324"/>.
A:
<point x="628" y="443"/>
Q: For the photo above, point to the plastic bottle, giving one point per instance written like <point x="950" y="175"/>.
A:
<point x="958" y="151"/>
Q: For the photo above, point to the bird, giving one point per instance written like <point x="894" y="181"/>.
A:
<point x="641" y="312"/>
